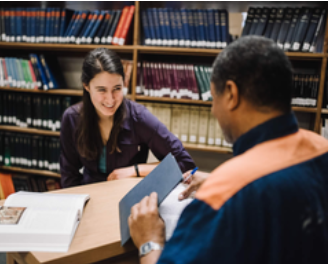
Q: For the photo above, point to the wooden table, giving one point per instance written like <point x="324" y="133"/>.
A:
<point x="97" y="238"/>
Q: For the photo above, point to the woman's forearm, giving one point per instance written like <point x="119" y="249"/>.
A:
<point x="145" y="169"/>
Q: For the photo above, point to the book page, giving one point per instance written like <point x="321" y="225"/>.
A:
<point x="53" y="201"/>
<point x="171" y="208"/>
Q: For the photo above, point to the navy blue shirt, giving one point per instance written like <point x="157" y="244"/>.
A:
<point x="140" y="132"/>
<point x="268" y="204"/>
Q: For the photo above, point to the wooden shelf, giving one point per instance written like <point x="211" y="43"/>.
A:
<point x="201" y="147"/>
<point x="324" y="111"/>
<point x="172" y="100"/>
<point x="71" y="92"/>
<point x="304" y="109"/>
<point x="31" y="171"/>
<point x="30" y="131"/>
<point x="177" y="50"/>
<point x="63" y="47"/>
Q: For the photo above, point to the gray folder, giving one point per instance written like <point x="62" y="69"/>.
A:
<point x="163" y="179"/>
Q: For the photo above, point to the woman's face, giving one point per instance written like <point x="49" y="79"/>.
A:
<point x="106" y="93"/>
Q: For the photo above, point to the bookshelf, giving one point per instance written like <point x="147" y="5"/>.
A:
<point x="136" y="51"/>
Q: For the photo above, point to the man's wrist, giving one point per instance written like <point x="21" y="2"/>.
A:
<point x="149" y="247"/>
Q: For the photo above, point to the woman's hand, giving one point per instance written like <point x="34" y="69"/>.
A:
<point x="194" y="183"/>
<point x="122" y="173"/>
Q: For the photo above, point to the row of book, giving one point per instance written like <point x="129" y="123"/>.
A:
<point x="56" y="25"/>
<point x="37" y="111"/>
<point x="11" y="183"/>
<point x="201" y="28"/>
<point x="32" y="152"/>
<point x="191" y="124"/>
<point x="174" y="80"/>
<point x="305" y="89"/>
<point x="32" y="73"/>
<point x="293" y="29"/>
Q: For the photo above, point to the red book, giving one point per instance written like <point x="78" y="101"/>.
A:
<point x="126" y="26"/>
<point x="33" y="76"/>
<point x="5" y="72"/>
<point x="119" y="28"/>
<point x="6" y="184"/>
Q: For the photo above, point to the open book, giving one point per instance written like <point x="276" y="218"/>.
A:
<point x="48" y="222"/>
<point x="171" y="208"/>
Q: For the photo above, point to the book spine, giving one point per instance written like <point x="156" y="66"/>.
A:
<point x="319" y="27"/>
<point x="191" y="28"/>
<point x="301" y="30"/>
<point x="114" y="27"/>
<point x="126" y="26"/>
<point x="277" y="24"/>
<point x="162" y="27"/>
<point x="248" y="22"/>
<point x="262" y="21"/>
<point x="119" y="28"/>
<point x="145" y="27"/>
<point x="292" y="28"/>
<point x="256" y="20"/>
<point x="282" y="35"/>
<point x="311" y="30"/>
<point x="94" y="25"/>
<point x="224" y="16"/>
<point x="211" y="28"/>
<point x="181" y="36"/>
<point x="218" y="35"/>
<point x="158" y="35"/>
<point x="174" y="29"/>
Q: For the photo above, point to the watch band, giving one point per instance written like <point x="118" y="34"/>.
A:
<point x="137" y="169"/>
<point x="148" y="247"/>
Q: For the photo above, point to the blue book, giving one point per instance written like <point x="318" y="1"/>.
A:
<point x="65" y="19"/>
<point x="167" y="26"/>
<point x="201" y="30"/>
<point x="145" y="26"/>
<point x="178" y="21"/>
<point x="151" y="27"/>
<point x="41" y="71"/>
<point x="13" y="71"/>
<point x="48" y="22"/>
<point x="84" y="28"/>
<point x="224" y="27"/>
<point x="83" y="19"/>
<point x="159" y="37"/>
<point x="51" y="25"/>
<point x="174" y="28"/>
<point x="57" y="25"/>
<point x="42" y="25"/>
<point x="217" y="26"/>
<point x="7" y="24"/>
<point x="211" y="28"/>
<point x="162" y="26"/>
<point x="19" y="37"/>
<point x="33" y="25"/>
<point x="94" y="26"/>
<point x="8" y="72"/>
<point x="206" y="30"/>
<point x="104" y="27"/>
<point x="12" y="24"/>
<point x="191" y="25"/>
<point x="73" y="28"/>
<point x="69" y="27"/>
<point x="185" y="27"/>
<point x="51" y="80"/>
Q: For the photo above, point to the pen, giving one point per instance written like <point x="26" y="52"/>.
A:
<point x="191" y="174"/>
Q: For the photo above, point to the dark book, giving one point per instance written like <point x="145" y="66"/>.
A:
<point x="21" y="183"/>
<point x="1" y="149"/>
<point x="293" y="26"/>
<point x="35" y="148"/>
<point x="262" y="21"/>
<point x="41" y="153"/>
<point x="256" y="19"/>
<point x="113" y="27"/>
<point x="101" y="30"/>
<point x="65" y="19"/>
<point x="285" y="27"/>
<point x="277" y="24"/>
<point x="311" y="29"/>
<point x="2" y="25"/>
<point x="224" y="18"/>
<point x="249" y="21"/>
<point x="320" y="29"/>
<point x="105" y="36"/>
<point x="301" y="29"/>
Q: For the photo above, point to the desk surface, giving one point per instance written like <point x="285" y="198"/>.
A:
<point x="98" y="234"/>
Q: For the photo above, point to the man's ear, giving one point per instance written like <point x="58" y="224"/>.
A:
<point x="233" y="95"/>
<point x="86" y="87"/>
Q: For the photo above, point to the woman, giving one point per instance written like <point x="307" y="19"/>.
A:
<point x="109" y="135"/>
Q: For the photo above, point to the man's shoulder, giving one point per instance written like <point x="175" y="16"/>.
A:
<point x="273" y="157"/>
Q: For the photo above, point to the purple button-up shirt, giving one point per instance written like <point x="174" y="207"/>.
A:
<point x="140" y="132"/>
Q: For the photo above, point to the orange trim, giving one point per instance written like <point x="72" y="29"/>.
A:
<point x="263" y="159"/>
<point x="126" y="25"/>
<point x="119" y="27"/>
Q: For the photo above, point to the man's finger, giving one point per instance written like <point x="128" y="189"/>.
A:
<point x="153" y="200"/>
<point x="186" y="193"/>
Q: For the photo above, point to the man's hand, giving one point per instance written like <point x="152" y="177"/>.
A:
<point x="145" y="223"/>
<point x="122" y="173"/>
<point x="194" y="183"/>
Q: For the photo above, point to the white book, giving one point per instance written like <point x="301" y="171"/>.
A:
<point x="166" y="113"/>
<point x="175" y="121"/>
<point x="48" y="222"/>
<point x="184" y="121"/>
<point x="218" y="134"/>
<point x="211" y="129"/>
<point x="203" y="125"/>
<point x="193" y="124"/>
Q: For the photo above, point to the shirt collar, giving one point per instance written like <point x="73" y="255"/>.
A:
<point x="276" y="127"/>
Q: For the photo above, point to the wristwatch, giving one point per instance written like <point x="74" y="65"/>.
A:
<point x="148" y="247"/>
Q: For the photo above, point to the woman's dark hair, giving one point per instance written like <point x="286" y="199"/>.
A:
<point x="260" y="69"/>
<point x="89" y="142"/>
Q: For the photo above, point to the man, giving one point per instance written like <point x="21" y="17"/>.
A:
<point x="268" y="204"/>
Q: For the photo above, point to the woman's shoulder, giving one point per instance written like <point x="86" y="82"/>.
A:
<point x="135" y="110"/>
<point x="72" y="113"/>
